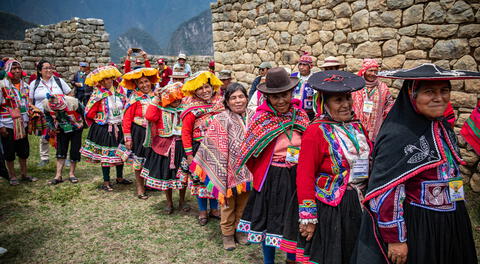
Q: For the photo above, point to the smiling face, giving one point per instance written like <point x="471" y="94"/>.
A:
<point x="106" y="83"/>
<point x="237" y="102"/>
<point x="432" y="98"/>
<point x="205" y="92"/>
<point x="144" y="85"/>
<point x="281" y="101"/>
<point x="47" y="71"/>
<point x="340" y="106"/>
<point x="371" y="74"/>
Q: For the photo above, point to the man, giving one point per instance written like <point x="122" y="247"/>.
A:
<point x="262" y="69"/>
<point x="14" y="120"/>
<point x="164" y="72"/>
<point x="372" y="103"/>
<point x="226" y="77"/>
<point x="177" y="77"/>
<point x="303" y="91"/>
<point x="138" y="62"/>
<point x="332" y="63"/>
<point x="83" y="91"/>
<point x="181" y="63"/>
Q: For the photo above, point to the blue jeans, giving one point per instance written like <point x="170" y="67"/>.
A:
<point x="202" y="204"/>
<point x="269" y="254"/>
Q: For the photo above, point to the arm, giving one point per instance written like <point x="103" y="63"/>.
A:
<point x="127" y="121"/>
<point x="92" y="112"/>
<point x="187" y="133"/>
<point x="66" y="88"/>
<point x="254" y="87"/>
<point x="153" y="113"/>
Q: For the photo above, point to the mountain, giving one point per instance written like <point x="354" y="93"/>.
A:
<point x="193" y="37"/>
<point x="160" y="18"/>
<point x="13" y="27"/>
<point x="133" y="38"/>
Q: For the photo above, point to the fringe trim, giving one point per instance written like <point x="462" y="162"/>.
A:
<point x="308" y="221"/>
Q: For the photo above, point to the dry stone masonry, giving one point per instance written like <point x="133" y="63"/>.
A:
<point x="399" y="33"/>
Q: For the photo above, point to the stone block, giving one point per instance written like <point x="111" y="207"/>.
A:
<point x="461" y="99"/>
<point x="386" y="19"/>
<point x="342" y="23"/>
<point x="469" y="31"/>
<point x="413" y="63"/>
<point x="360" y="20"/>
<point x="329" y="25"/>
<point x="460" y="12"/>
<point x="416" y="54"/>
<point x="396" y="4"/>
<point x="313" y="38"/>
<point x="342" y="10"/>
<point x="317" y="49"/>
<point x="391" y="63"/>
<point x="410" y="31"/>
<point x="324" y="14"/>
<point x="368" y="50"/>
<point x="405" y="44"/>
<point x="450" y="49"/>
<point x="290" y="57"/>
<point x="434" y="13"/>
<point x="358" y="36"/>
<point x="330" y="49"/>
<point x="376" y="33"/>
<point x="390" y="48"/>
<point x="315" y="25"/>
<point x="466" y="62"/>
<point x="437" y="31"/>
<point x="339" y="37"/>
<point x="423" y="43"/>
<point x="359" y="5"/>
<point x="412" y="15"/>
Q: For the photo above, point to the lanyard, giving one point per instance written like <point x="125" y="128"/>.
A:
<point x="289" y="135"/>
<point x="370" y="93"/>
<point x="352" y="137"/>
<point x="50" y="88"/>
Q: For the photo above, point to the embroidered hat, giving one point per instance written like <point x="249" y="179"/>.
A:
<point x="306" y="59"/>
<point x="367" y="64"/>
<point x="277" y="81"/>
<point x="171" y="93"/>
<point x="336" y="82"/>
<point x="100" y="73"/>
<point x="128" y="79"/>
<point x="198" y="79"/>
<point x="429" y="71"/>
<point x="161" y="61"/>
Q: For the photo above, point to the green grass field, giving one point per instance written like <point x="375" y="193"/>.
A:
<point x="78" y="223"/>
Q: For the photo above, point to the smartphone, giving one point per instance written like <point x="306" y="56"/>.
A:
<point x="136" y="50"/>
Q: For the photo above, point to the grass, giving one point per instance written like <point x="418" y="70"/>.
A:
<point x="78" y="223"/>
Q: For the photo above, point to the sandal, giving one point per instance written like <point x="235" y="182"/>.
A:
<point x="124" y="181"/>
<point x="29" y="179"/>
<point x="168" y="210"/>
<point x="203" y="221"/>
<point x="73" y="179"/>
<point x="185" y="207"/>
<point x="107" y="188"/>
<point x="55" y="181"/>
<point x="214" y="216"/>
<point x="142" y="196"/>
<point x="14" y="182"/>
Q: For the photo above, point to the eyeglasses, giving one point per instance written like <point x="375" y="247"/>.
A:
<point x="47" y="68"/>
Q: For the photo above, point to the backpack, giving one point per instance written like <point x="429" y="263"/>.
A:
<point x="37" y="82"/>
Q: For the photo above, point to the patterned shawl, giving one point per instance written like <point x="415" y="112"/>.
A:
<point x="203" y="111"/>
<point x="100" y="94"/>
<point x="218" y="153"/>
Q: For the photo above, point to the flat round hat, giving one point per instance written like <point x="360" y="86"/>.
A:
<point x="429" y="71"/>
<point x="336" y="81"/>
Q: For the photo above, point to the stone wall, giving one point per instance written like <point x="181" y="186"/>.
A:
<point x="64" y="44"/>
<point x="399" y="33"/>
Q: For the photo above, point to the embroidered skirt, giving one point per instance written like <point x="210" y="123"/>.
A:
<point x="160" y="172"/>
<point x="139" y="152"/>
<point x="101" y="144"/>
<point x="264" y="216"/>
<point x="335" y="234"/>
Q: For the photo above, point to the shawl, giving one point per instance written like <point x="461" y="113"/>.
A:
<point x="13" y="104"/>
<point x="99" y="95"/>
<point x="202" y="110"/>
<point x="471" y="129"/>
<point x="218" y="153"/>
<point x="264" y="128"/>
<point x="165" y="128"/>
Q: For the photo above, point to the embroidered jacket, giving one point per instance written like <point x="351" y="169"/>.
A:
<point x="99" y="105"/>
<point x="135" y="112"/>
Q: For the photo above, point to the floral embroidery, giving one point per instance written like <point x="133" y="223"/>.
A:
<point x="422" y="153"/>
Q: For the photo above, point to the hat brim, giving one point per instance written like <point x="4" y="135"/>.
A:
<point x="332" y="65"/>
<point x="429" y="71"/>
<point x="178" y="76"/>
<point x="273" y="90"/>
<point x="346" y="82"/>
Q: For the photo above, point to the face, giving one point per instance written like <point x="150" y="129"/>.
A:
<point x="332" y="68"/>
<point x="175" y="103"/>
<point x="340" y="107"/>
<point x="161" y="66"/>
<point x="205" y="92"/>
<point x="281" y="101"/>
<point x="263" y="72"/>
<point x="83" y="68"/>
<point x="181" y="61"/>
<point x="16" y="70"/>
<point x="237" y="102"/>
<point x="432" y="98"/>
<point x="47" y="71"/>
<point x="107" y="83"/>
<point x="371" y="74"/>
<point x="178" y="80"/>
<point x="225" y="84"/>
<point x="304" y="69"/>
<point x="144" y="85"/>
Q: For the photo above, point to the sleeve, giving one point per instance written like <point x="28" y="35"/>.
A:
<point x="388" y="209"/>
<point x="127" y="65"/>
<point x="153" y="113"/>
<point x="147" y="63"/>
<point x="31" y="90"/>
<point x="65" y="86"/>
<point x="310" y="155"/>
<point x="253" y="103"/>
<point x="253" y="88"/>
<point x="127" y="121"/>
<point x="389" y="101"/>
<point x="187" y="133"/>
<point x="92" y="112"/>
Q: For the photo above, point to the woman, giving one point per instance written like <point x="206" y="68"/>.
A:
<point x="216" y="156"/>
<point x="470" y="128"/>
<point x="46" y="83"/>
<point x="270" y="151"/>
<point x="331" y="175"/>
<point x="64" y="115"/>
<point x="163" y="136"/>
<point x="202" y="102"/>
<point x="134" y="123"/>
<point x="104" y="113"/>
<point x="415" y="193"/>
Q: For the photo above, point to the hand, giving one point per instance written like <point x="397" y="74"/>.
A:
<point x="143" y="54"/>
<point x="189" y="159"/>
<point x="307" y="230"/>
<point x="397" y="252"/>
<point x="128" y="144"/>
<point x="129" y="52"/>
<point x="78" y="84"/>
<point x="36" y="109"/>
<point x="3" y="132"/>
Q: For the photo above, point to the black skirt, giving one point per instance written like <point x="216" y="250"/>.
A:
<point x="158" y="171"/>
<point x="264" y="216"/>
<point x="101" y="144"/>
<point x="138" y="138"/>
<point x="335" y="234"/>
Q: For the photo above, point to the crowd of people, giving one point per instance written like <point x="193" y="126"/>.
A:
<point x="326" y="166"/>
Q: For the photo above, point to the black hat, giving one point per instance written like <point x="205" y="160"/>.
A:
<point x="336" y="82"/>
<point x="277" y="81"/>
<point x="429" y="71"/>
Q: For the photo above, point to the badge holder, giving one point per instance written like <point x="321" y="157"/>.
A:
<point x="455" y="188"/>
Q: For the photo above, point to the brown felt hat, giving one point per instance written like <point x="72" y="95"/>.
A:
<point x="277" y="81"/>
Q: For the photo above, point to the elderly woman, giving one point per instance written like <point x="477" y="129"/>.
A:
<point x="202" y="102"/>
<point x="216" y="156"/>
<point x="331" y="175"/>
<point x="415" y="194"/>
<point x="164" y="131"/>
<point x="46" y="83"/>
<point x="104" y="114"/>
<point x="270" y="151"/>
<point x="134" y="123"/>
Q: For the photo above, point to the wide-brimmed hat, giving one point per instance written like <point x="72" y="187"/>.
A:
<point x="336" y="82"/>
<point x="198" y="79"/>
<point x="331" y="61"/>
<point x="128" y="79"/>
<point x="429" y="71"/>
<point x="100" y="73"/>
<point x="225" y="75"/>
<point x="277" y="81"/>
<point x="178" y="75"/>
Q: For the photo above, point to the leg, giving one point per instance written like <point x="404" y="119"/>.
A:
<point x="227" y="224"/>
<point x="214" y="209"/>
<point x="11" y="169"/>
<point x="106" y="179"/>
<point x="60" y="165"/>
<point x="202" y="207"/>
<point x="23" y="152"/>
<point x="23" y="167"/>
<point x="268" y="254"/>
<point x="44" y="151"/>
<point x="181" y="202"/>
<point x="240" y="203"/>
<point x="140" y="183"/>
<point x="9" y="155"/>
<point x="75" y="145"/>
<point x="73" y="165"/>
<point x="168" y="195"/>
<point x="119" y="169"/>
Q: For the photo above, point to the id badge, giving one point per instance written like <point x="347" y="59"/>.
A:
<point x="360" y="169"/>
<point x="177" y="131"/>
<point x="456" y="191"/>
<point x="367" y="106"/>
<point x="308" y="103"/>
<point x="292" y="154"/>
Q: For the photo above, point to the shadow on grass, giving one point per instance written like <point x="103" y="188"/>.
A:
<point x="22" y="245"/>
